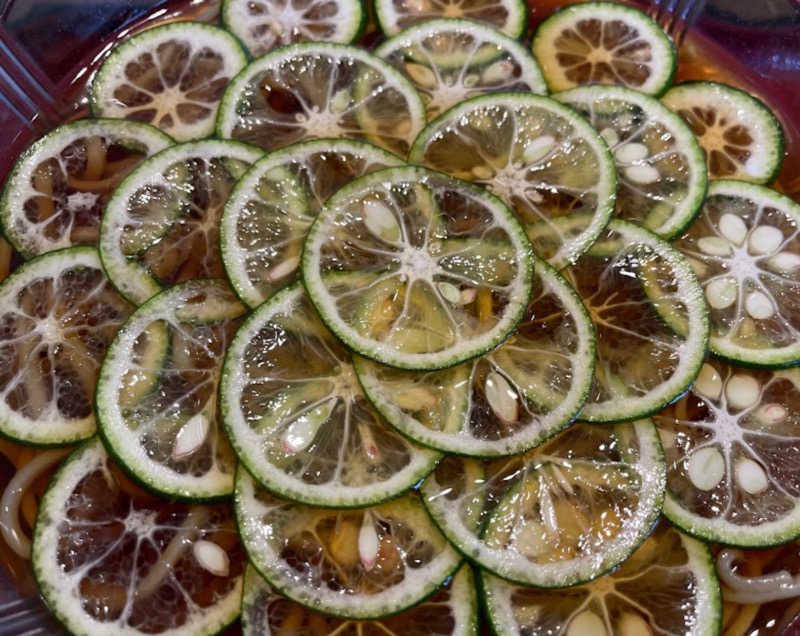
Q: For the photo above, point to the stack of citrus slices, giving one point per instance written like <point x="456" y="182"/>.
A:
<point x="449" y="330"/>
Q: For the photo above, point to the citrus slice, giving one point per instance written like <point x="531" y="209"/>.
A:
<point x="452" y="60"/>
<point x="58" y="313"/>
<point x="604" y="43"/>
<point x="559" y="515"/>
<point x="361" y="564"/>
<point x="540" y="157"/>
<point x="451" y="611"/>
<point x="109" y="558"/>
<point x="272" y="206"/>
<point x="741" y="136"/>
<point x="505" y="401"/>
<point x="390" y="252"/>
<point x="171" y="76"/>
<point x="55" y="194"/>
<point x="298" y="419"/>
<point x="157" y="392"/>
<point x="509" y="16"/>
<point x="729" y="444"/>
<point x="643" y="360"/>
<point x="318" y="89"/>
<point x="667" y="587"/>
<point x="263" y="25"/>
<point x="161" y="226"/>
<point x="661" y="170"/>
<point x="744" y="248"/>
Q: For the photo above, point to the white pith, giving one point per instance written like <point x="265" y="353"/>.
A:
<point x="389" y="16"/>
<point x="632" y="157"/>
<point x="519" y="178"/>
<point x="49" y="426"/>
<point x="449" y="81"/>
<point x="762" y="252"/>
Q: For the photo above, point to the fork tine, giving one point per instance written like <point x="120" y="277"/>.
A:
<point x="655" y="9"/>
<point x="665" y="9"/>
<point x="690" y="15"/>
<point x="676" y="16"/>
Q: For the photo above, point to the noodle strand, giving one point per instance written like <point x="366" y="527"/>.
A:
<point x="12" y="498"/>
<point x="742" y="621"/>
<point x="754" y="589"/>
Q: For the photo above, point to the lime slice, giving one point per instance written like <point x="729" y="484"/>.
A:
<point x="643" y="360"/>
<point x="668" y="586"/>
<point x="741" y="136"/>
<point x="451" y="611"/>
<point x="509" y="16"/>
<point x="171" y="76"/>
<point x="508" y="400"/>
<point x="559" y="515"/>
<point x="604" y="43"/>
<point x="540" y="157"/>
<point x="272" y="206"/>
<point x="661" y="170"/>
<point x="360" y="564"/>
<point x="318" y="89"/>
<point x="157" y="392"/>
<point x="729" y="444"/>
<point x="55" y="194"/>
<point x="388" y="257"/>
<point x="161" y="226"/>
<point x="452" y="60"/>
<point x="263" y="25"/>
<point x="298" y="419"/>
<point x="111" y="559"/>
<point x="58" y="314"/>
<point x="745" y="249"/>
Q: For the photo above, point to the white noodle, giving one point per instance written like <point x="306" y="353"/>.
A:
<point x="12" y="498"/>
<point x="756" y="589"/>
